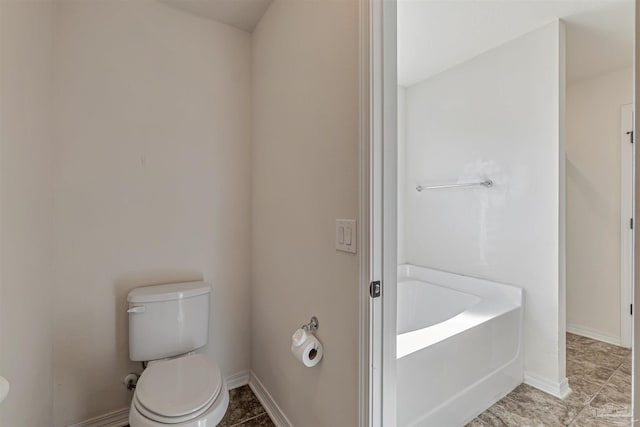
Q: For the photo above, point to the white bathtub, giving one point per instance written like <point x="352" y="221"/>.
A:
<point x="458" y="348"/>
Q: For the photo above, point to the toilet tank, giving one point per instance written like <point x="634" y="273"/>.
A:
<point x="168" y="320"/>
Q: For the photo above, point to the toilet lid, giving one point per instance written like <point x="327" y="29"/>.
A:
<point x="179" y="387"/>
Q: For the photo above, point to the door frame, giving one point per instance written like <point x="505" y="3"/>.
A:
<point x="626" y="232"/>
<point x="378" y="211"/>
<point x="378" y="221"/>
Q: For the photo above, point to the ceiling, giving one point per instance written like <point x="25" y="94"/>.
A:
<point x="434" y="35"/>
<point x="242" y="14"/>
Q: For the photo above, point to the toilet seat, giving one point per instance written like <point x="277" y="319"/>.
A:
<point x="178" y="390"/>
<point x="163" y="419"/>
<point x="211" y="418"/>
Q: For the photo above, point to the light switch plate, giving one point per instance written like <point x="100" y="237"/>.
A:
<point x="346" y="235"/>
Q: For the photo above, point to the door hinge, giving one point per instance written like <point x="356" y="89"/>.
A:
<point x="631" y="138"/>
<point x="375" y="289"/>
<point x="631" y="309"/>
<point x="631" y="223"/>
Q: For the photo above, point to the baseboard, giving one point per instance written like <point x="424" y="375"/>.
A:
<point x="593" y="334"/>
<point x="277" y="416"/>
<point x="238" y="379"/>
<point x="118" y="418"/>
<point x="558" y="389"/>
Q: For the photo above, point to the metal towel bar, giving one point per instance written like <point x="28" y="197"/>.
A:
<point x="487" y="184"/>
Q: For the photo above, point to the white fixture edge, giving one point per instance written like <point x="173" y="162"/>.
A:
<point x="238" y="379"/>
<point x="593" y="334"/>
<point x="120" y="417"/>
<point x="117" y="418"/>
<point x="558" y="389"/>
<point x="273" y="410"/>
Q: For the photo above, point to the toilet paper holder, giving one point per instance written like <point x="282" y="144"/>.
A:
<point x="312" y="326"/>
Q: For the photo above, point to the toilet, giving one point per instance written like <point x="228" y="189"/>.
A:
<point x="178" y="387"/>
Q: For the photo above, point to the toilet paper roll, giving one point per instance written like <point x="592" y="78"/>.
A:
<point x="306" y="348"/>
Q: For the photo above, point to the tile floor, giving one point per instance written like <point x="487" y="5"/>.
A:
<point x="245" y="410"/>
<point x="600" y="378"/>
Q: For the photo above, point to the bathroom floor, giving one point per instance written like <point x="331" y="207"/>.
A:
<point x="245" y="410"/>
<point x="600" y="379"/>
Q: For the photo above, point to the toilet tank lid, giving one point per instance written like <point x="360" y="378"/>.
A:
<point x="168" y="292"/>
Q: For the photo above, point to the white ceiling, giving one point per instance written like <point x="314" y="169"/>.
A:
<point x="434" y="35"/>
<point x="242" y="14"/>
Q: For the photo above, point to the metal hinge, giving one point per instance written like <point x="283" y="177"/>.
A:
<point x="375" y="289"/>
<point x="631" y="223"/>
<point x="631" y="138"/>
<point x="631" y="309"/>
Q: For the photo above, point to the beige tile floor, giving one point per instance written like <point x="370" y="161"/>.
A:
<point x="600" y="378"/>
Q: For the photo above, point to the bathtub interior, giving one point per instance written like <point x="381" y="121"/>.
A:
<point x="424" y="305"/>
<point x="435" y="305"/>
<point x="459" y="359"/>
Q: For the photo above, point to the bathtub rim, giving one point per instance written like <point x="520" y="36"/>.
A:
<point x="477" y="286"/>
<point x="474" y="300"/>
<point x="496" y="300"/>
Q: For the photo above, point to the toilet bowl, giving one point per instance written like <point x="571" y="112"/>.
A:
<point x="178" y="387"/>
<point x="188" y="391"/>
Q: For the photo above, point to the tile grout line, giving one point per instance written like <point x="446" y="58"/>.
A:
<point x="248" y="419"/>
<point x="596" y="393"/>
<point x="573" y="420"/>
<point x="498" y="416"/>
<point x="588" y="404"/>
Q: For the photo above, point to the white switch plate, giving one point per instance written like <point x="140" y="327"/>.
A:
<point x="346" y="235"/>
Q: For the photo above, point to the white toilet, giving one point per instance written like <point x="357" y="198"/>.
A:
<point x="178" y="388"/>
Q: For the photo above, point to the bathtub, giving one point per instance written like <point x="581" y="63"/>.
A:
<point x="458" y="348"/>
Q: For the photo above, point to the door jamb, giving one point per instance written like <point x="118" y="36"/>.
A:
<point x="378" y="211"/>
<point x="626" y="233"/>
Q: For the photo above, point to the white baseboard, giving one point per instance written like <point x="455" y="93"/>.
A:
<point x="558" y="389"/>
<point x="277" y="416"/>
<point x="120" y="418"/>
<point x="117" y="418"/>
<point x="238" y="379"/>
<point x="593" y="334"/>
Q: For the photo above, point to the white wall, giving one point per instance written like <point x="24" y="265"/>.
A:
<point x="402" y="172"/>
<point x="593" y="202"/>
<point x="152" y="184"/>
<point x="495" y="116"/>
<point x="305" y="175"/>
<point x="25" y="212"/>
